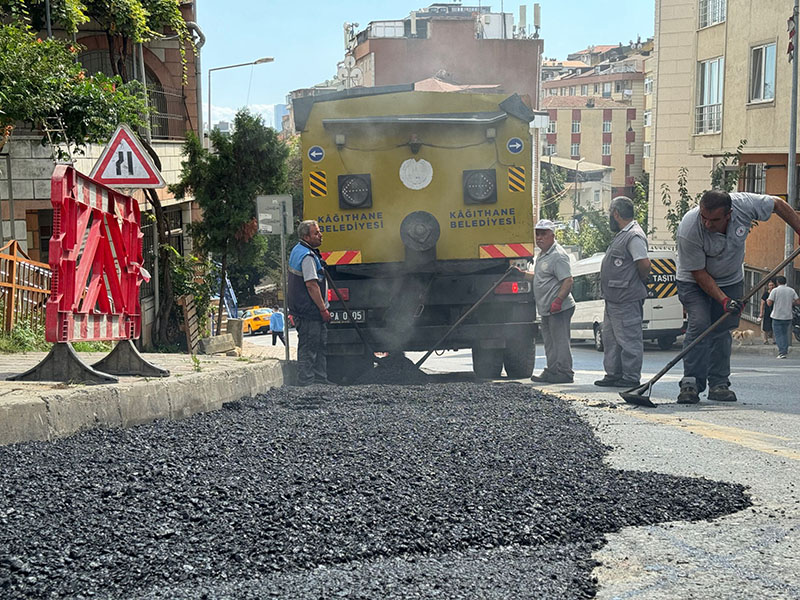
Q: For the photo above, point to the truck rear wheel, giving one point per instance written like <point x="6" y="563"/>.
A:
<point x="487" y="363"/>
<point x="347" y="368"/>
<point x="519" y="358"/>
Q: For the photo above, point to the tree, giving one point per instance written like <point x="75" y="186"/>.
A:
<point x="722" y="178"/>
<point x="641" y="202"/>
<point x="124" y="22"/>
<point x="43" y="86"/>
<point x="251" y="162"/>
<point x="553" y="191"/>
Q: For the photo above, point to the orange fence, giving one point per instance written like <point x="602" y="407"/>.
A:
<point x="24" y="287"/>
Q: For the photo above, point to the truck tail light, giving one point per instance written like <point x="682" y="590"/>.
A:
<point x="333" y="297"/>
<point x="513" y="287"/>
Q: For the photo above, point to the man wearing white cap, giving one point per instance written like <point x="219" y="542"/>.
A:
<point x="552" y="283"/>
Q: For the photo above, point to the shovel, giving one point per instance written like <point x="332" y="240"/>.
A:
<point x="640" y="395"/>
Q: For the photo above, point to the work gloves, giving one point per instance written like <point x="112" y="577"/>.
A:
<point x="732" y="306"/>
<point x="556" y="306"/>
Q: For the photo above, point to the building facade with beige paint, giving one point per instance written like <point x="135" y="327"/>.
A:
<point x="721" y="75"/>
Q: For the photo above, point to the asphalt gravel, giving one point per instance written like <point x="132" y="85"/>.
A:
<point x="450" y="491"/>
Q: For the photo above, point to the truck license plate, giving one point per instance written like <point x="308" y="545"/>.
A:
<point x="352" y="316"/>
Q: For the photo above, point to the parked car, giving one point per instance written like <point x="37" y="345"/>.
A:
<point x="256" y="320"/>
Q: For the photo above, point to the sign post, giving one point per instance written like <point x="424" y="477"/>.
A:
<point x="275" y="216"/>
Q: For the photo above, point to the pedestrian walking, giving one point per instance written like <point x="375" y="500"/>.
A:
<point x="765" y="313"/>
<point x="308" y="304"/>
<point x="552" y="284"/>
<point x="276" y="325"/>
<point x="781" y="299"/>
<point x="711" y="240"/>
<point x="623" y="282"/>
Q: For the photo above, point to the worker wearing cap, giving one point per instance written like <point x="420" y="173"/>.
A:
<point x="711" y="240"/>
<point x="552" y="283"/>
<point x="623" y="282"/>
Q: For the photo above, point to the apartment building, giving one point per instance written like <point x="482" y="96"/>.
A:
<point x="721" y="76"/>
<point x="598" y="115"/>
<point x="459" y="44"/>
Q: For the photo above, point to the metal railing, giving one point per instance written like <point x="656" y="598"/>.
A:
<point x="24" y="287"/>
<point x="168" y="121"/>
<point x="708" y="118"/>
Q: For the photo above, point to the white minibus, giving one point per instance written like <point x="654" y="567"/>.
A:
<point x="663" y="312"/>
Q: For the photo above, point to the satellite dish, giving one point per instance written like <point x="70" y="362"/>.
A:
<point x="342" y="73"/>
<point x="356" y="77"/>
<point x="349" y="61"/>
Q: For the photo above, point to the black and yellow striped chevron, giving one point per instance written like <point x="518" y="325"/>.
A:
<point x="318" y="183"/>
<point x="516" y="179"/>
<point x="662" y="283"/>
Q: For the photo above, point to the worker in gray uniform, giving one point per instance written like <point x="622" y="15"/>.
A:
<point x="623" y="282"/>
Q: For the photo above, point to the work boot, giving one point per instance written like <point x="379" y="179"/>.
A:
<point x="628" y="383"/>
<point x="721" y="393"/>
<point x="688" y="393"/>
<point x="607" y="381"/>
<point x="560" y="378"/>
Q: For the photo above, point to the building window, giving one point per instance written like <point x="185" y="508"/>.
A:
<point x="648" y="118"/>
<point x="606" y="126"/>
<point x="751" y="278"/>
<point x="708" y="112"/>
<point x="575" y="150"/>
<point x="607" y="89"/>
<point x="585" y="89"/>
<point x="596" y="88"/>
<point x="606" y="149"/>
<point x="576" y="127"/>
<point x="762" y="73"/>
<point x="572" y="90"/>
<point x="563" y="91"/>
<point x="646" y="150"/>
<point x="551" y="126"/>
<point x="648" y="85"/>
<point x="755" y="178"/>
<point x="553" y="92"/>
<point x="597" y="198"/>
<point x="711" y="12"/>
<point x="550" y="150"/>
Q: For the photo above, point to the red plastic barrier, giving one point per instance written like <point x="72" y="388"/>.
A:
<point x="96" y="258"/>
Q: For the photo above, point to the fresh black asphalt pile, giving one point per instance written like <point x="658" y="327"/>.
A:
<point x="436" y="491"/>
<point x="395" y="369"/>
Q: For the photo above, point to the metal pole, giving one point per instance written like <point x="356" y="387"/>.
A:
<point x="2" y="231"/>
<point x="284" y="280"/>
<point x="143" y="79"/>
<point x="208" y="123"/>
<point x="791" y="164"/>
<point x="47" y="18"/>
<point x="13" y="230"/>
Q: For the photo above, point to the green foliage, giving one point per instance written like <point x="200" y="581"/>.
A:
<point x="42" y="81"/>
<point x="251" y="162"/>
<point x="641" y="202"/>
<point x="593" y="235"/>
<point x="195" y="277"/>
<point x="722" y="178"/>
<point x="129" y="21"/>
<point x="24" y="337"/>
<point x="553" y="191"/>
<point x="92" y="346"/>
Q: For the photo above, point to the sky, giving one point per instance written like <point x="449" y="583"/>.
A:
<point x="306" y="39"/>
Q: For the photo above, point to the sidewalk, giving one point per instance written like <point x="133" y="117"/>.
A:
<point x="45" y="410"/>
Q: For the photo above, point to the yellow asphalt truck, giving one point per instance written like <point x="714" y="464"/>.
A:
<point x="424" y="201"/>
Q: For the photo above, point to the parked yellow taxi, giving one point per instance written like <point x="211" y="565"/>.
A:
<point x="256" y="320"/>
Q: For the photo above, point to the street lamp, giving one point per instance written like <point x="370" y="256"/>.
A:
<point x="577" y="177"/>
<point x="258" y="61"/>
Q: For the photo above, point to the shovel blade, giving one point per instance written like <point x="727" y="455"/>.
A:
<point x="639" y="396"/>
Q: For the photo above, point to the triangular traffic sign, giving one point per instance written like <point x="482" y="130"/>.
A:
<point x="125" y="163"/>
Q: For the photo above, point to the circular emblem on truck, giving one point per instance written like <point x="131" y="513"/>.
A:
<point x="416" y="174"/>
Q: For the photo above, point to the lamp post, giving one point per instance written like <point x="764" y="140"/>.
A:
<point x="258" y="61"/>
<point x="577" y="178"/>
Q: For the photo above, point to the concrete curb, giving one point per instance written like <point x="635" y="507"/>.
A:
<point x="38" y="414"/>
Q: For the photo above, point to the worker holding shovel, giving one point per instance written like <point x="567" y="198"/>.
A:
<point x="711" y="244"/>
